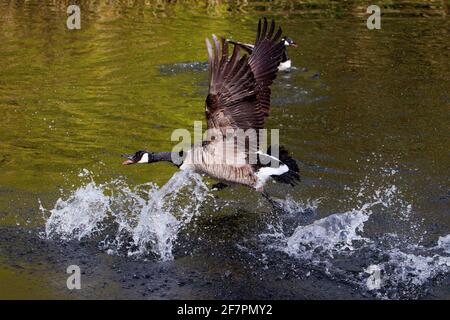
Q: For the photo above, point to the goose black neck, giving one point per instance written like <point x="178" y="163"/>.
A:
<point x="162" y="156"/>
<point x="284" y="57"/>
<point x="167" y="156"/>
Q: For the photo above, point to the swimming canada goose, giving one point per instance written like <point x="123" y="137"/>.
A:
<point x="285" y="64"/>
<point x="238" y="99"/>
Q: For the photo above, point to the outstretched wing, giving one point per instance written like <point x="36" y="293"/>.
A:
<point x="239" y="87"/>
<point x="264" y="61"/>
<point x="246" y="46"/>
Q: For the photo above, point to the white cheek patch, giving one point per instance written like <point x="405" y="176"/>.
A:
<point x="144" y="158"/>
<point x="286" y="43"/>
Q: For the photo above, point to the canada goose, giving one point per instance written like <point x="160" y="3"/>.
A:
<point x="285" y="64"/>
<point x="238" y="99"/>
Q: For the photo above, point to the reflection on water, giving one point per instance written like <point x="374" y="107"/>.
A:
<point x="360" y="106"/>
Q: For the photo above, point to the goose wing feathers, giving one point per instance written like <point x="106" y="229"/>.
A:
<point x="239" y="86"/>
<point x="246" y="46"/>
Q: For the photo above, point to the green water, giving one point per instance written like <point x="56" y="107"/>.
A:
<point x="361" y="102"/>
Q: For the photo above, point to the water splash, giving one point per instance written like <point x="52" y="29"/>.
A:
<point x="444" y="243"/>
<point x="335" y="232"/>
<point x="161" y="219"/>
<point x="80" y="215"/>
<point x="291" y="206"/>
<point x="339" y="241"/>
<point x="405" y="274"/>
<point x="142" y="220"/>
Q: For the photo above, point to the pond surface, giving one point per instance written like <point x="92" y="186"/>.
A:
<point x="365" y="113"/>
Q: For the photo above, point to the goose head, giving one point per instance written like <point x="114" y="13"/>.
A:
<point x="288" y="42"/>
<point x="138" y="157"/>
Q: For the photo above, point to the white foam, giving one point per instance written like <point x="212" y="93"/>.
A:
<point x="337" y="231"/>
<point x="80" y="215"/>
<point x="404" y="266"/>
<point x="444" y="243"/>
<point x="145" y="213"/>
<point x="413" y="269"/>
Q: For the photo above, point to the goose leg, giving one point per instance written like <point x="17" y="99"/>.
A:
<point x="276" y="206"/>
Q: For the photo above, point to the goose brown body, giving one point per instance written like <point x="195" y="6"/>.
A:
<point x="210" y="159"/>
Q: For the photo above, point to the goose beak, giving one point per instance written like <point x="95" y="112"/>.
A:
<point x="129" y="159"/>
<point x="294" y="45"/>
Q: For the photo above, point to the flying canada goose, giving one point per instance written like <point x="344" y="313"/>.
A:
<point x="238" y="100"/>
<point x="285" y="64"/>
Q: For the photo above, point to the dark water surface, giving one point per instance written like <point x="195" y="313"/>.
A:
<point x="365" y="112"/>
